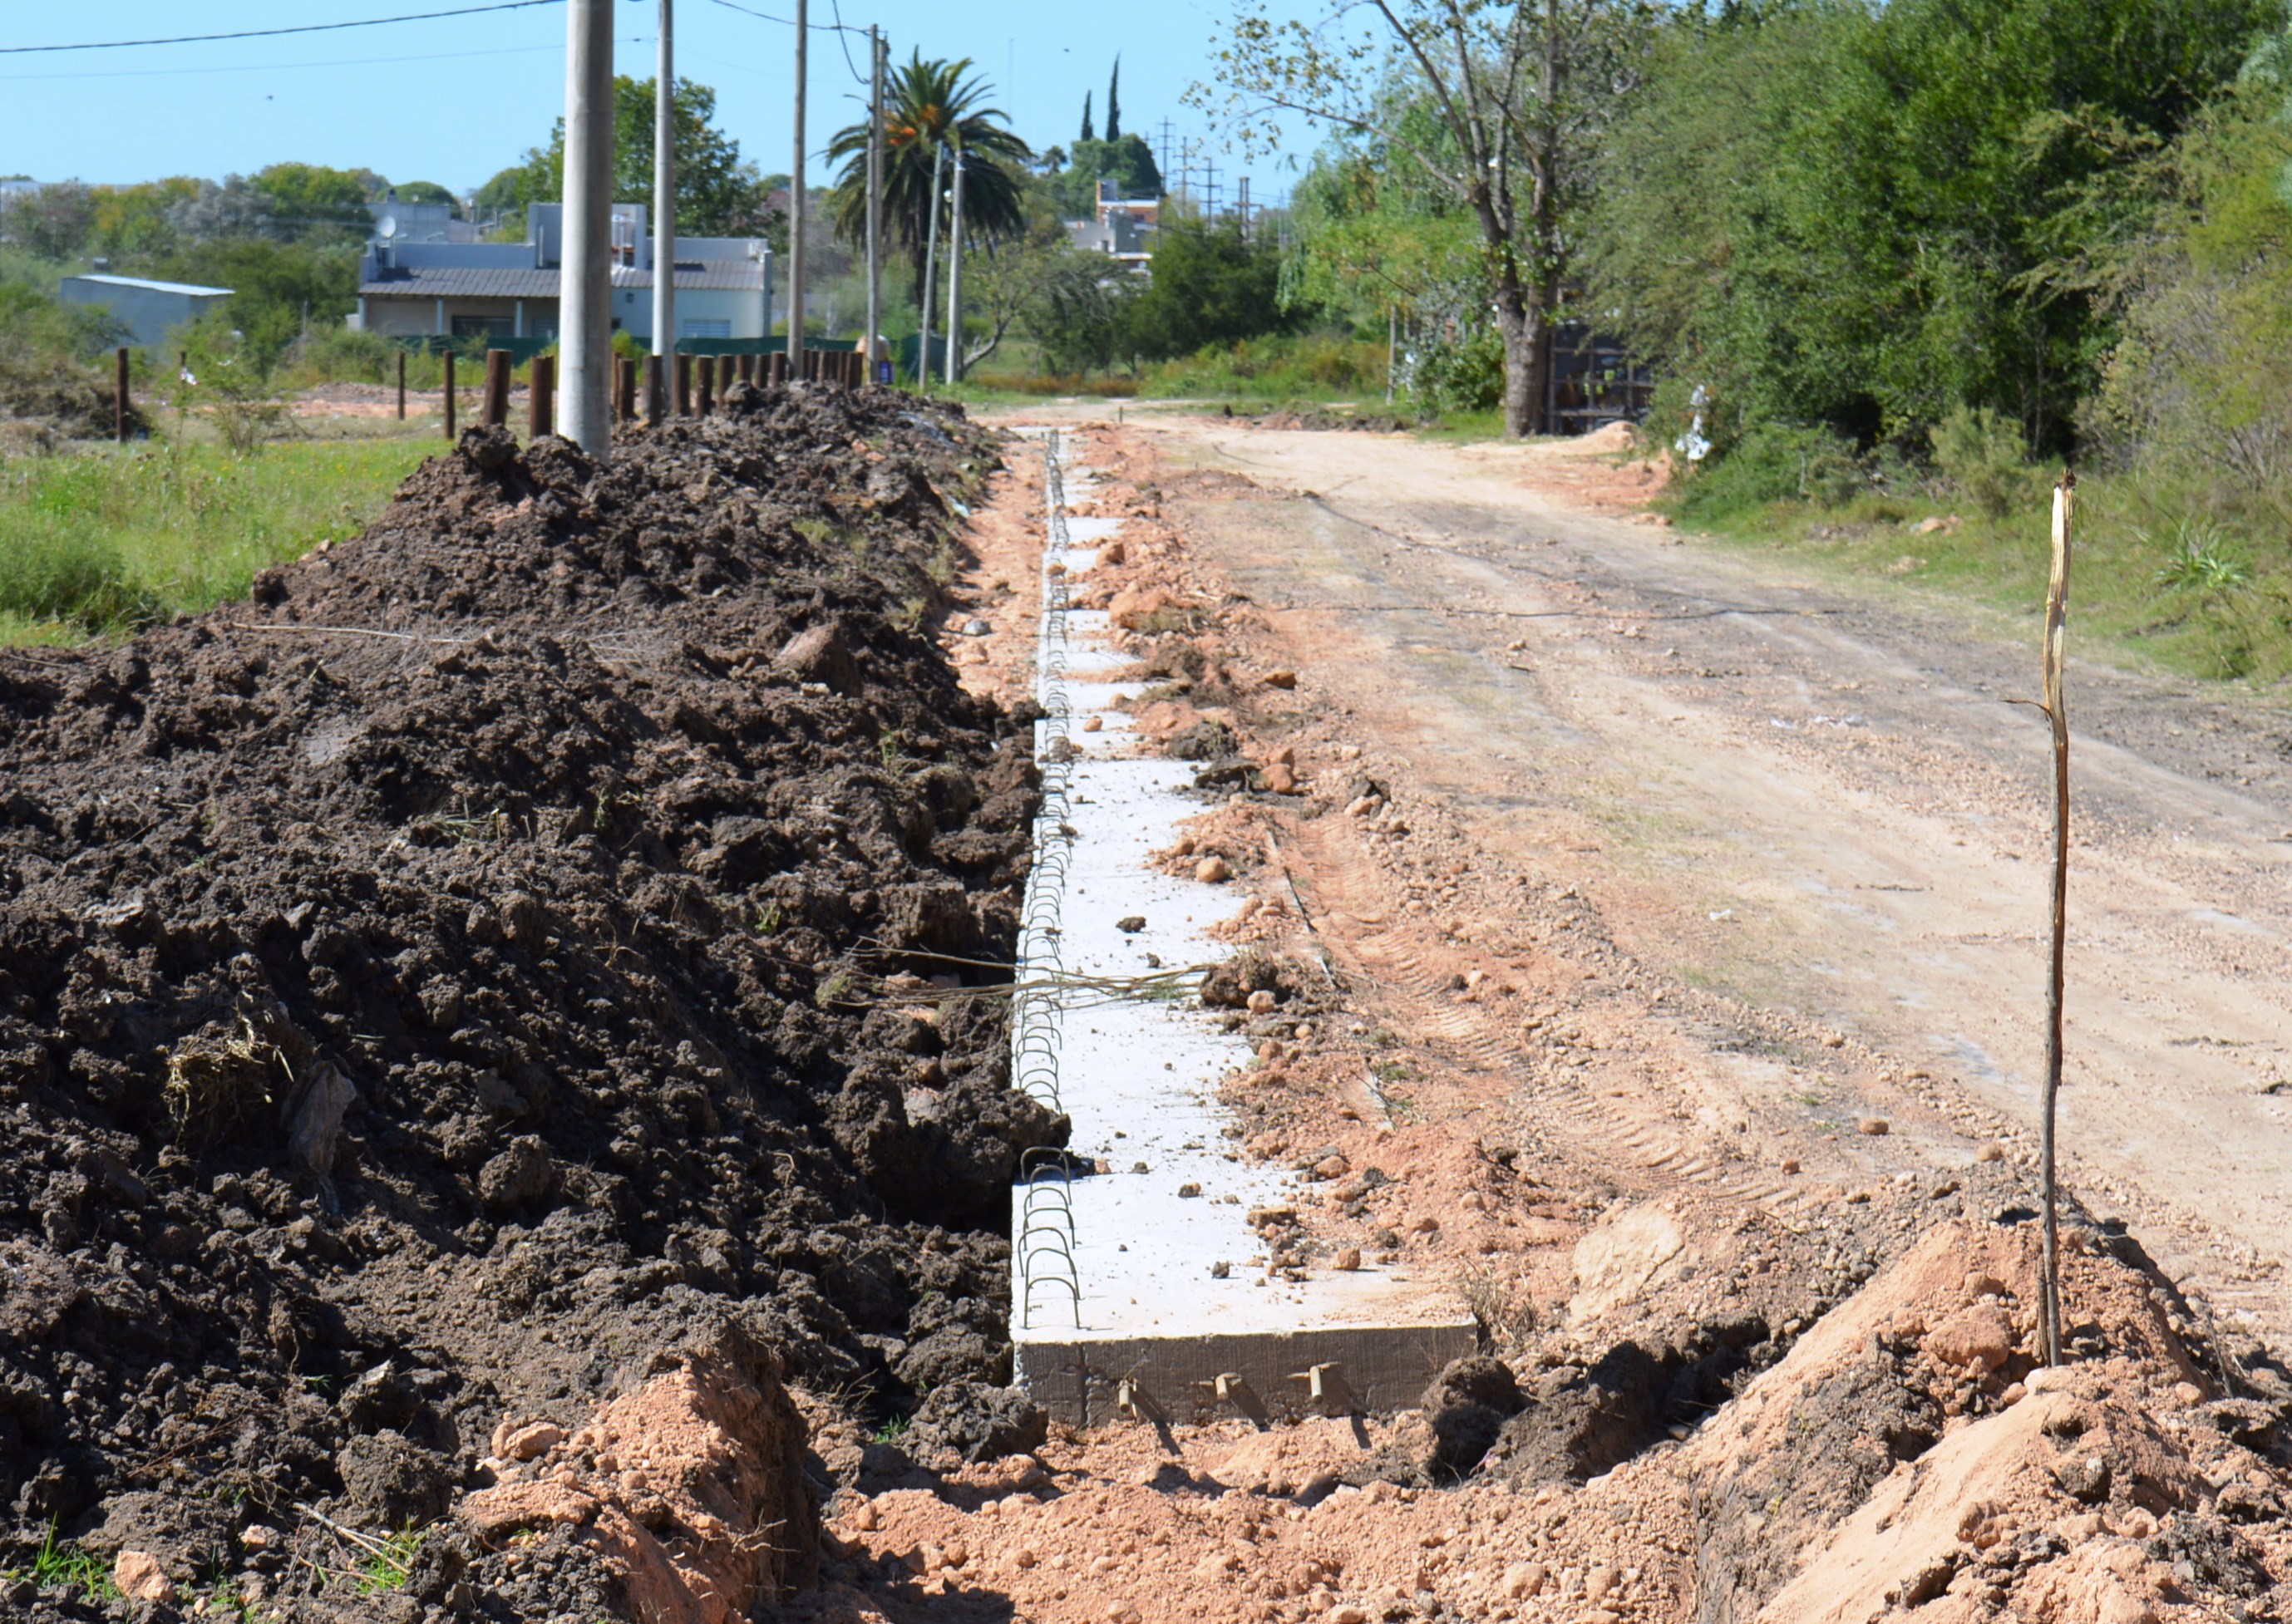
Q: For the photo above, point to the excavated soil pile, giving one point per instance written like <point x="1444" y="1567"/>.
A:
<point x="1317" y="419"/>
<point x="42" y="401"/>
<point x="494" y="1002"/>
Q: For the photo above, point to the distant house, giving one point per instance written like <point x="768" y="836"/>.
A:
<point x="1124" y="229"/>
<point x="511" y="290"/>
<point x="150" y="310"/>
<point x="419" y="222"/>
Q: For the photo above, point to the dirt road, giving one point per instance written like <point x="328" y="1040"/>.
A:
<point x="1818" y="799"/>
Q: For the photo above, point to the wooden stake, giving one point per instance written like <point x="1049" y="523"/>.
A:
<point x="684" y="384"/>
<point x="656" y="390"/>
<point x="449" y="396"/>
<point x="495" y="413"/>
<point x="401" y="386"/>
<point x="706" y="367"/>
<point x="119" y="401"/>
<point x="2057" y="599"/>
<point x="624" y="389"/>
<point x="541" y="388"/>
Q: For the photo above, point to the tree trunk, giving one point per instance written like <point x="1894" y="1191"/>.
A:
<point x="1519" y="323"/>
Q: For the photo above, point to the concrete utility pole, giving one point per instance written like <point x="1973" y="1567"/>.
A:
<point x="584" y="337"/>
<point x="955" y="279"/>
<point x="874" y="195"/>
<point x="796" y="205"/>
<point x="664" y="189"/>
<point x="930" y="288"/>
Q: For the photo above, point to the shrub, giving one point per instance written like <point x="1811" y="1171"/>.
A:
<point x="1979" y="455"/>
<point x="329" y="355"/>
<point x="1772" y="462"/>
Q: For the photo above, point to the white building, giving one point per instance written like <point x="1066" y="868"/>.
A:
<point x="510" y="290"/>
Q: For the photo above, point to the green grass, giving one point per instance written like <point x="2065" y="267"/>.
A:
<point x="109" y="540"/>
<point x="62" y="1564"/>
<point x="389" y="1564"/>
<point x="2162" y="576"/>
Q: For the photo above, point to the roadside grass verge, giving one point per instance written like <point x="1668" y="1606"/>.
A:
<point x="105" y="541"/>
<point x="2167" y="575"/>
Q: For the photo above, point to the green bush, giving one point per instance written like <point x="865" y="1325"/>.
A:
<point x="1772" y="462"/>
<point x="1978" y="454"/>
<point x="1461" y="374"/>
<point x="336" y="355"/>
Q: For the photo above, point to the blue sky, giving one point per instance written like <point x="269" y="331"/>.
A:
<point x="455" y="98"/>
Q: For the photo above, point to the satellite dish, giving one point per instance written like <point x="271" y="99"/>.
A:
<point x="387" y="229"/>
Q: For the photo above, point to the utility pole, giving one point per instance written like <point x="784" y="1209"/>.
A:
<point x="795" y="204"/>
<point x="931" y="275"/>
<point x="585" y="332"/>
<point x="874" y="194"/>
<point x="955" y="279"/>
<point x="664" y="193"/>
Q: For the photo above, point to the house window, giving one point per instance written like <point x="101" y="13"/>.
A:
<point x="704" y="329"/>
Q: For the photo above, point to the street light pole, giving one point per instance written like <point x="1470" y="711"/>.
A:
<point x="663" y="192"/>
<point x="796" y="205"/>
<point x="874" y="195"/>
<point x="585" y="336"/>
<point x="931" y="275"/>
<point x="955" y="278"/>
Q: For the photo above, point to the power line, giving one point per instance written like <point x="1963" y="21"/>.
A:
<point x="307" y="27"/>
<point x="347" y="62"/>
<point x="841" y="31"/>
<point x="785" y="22"/>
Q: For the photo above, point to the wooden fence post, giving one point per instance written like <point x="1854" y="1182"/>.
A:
<point x="401" y="386"/>
<point x="2057" y="597"/>
<point x="540" y="388"/>
<point x="119" y="400"/>
<point x="449" y="395"/>
<point x="746" y="367"/>
<point x="656" y="390"/>
<point x="684" y="384"/>
<point x="706" y="367"/>
<point x="496" y="410"/>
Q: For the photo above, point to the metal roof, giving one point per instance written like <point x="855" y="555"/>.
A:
<point x="160" y="287"/>
<point x="456" y="282"/>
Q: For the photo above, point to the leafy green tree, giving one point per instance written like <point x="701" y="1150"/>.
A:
<point x="1864" y="218"/>
<point x="426" y="191"/>
<point x="53" y="223"/>
<point x="209" y="212"/>
<point x="931" y="105"/>
<point x="313" y="199"/>
<point x="1211" y="285"/>
<point x="1128" y="162"/>
<point x="279" y="289"/>
<point x="1517" y="93"/>
<point x="718" y="192"/>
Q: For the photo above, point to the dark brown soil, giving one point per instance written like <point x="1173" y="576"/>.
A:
<point x="516" y="943"/>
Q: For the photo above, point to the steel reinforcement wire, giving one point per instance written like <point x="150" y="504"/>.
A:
<point x="1042" y="1248"/>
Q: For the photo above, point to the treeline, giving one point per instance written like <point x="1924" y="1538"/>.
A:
<point x="1845" y="233"/>
<point x="285" y="240"/>
<point x="1870" y="222"/>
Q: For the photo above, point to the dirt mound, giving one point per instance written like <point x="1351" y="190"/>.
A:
<point x="71" y="401"/>
<point x="520" y="942"/>
<point x="1319" y="420"/>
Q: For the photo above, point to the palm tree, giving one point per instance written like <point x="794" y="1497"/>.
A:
<point x="928" y="104"/>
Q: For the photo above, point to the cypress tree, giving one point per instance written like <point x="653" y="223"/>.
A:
<point x="1114" y="102"/>
<point x="1086" y="133"/>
